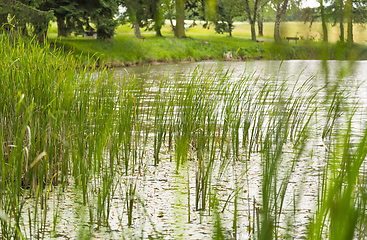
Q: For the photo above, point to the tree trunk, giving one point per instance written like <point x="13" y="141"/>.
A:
<point x="158" y="22"/>
<point x="281" y="9"/>
<point x="341" y="20"/>
<point x="158" y="32"/>
<point x="252" y="19"/>
<point x="260" y="22"/>
<point x="323" y="22"/>
<point x="276" y="31"/>
<point x="180" y="19"/>
<point x="349" y="16"/>
<point x="61" y="27"/>
<point x="350" y="32"/>
<point x="137" y="29"/>
<point x="253" y="32"/>
<point x="157" y="17"/>
<point x="341" y="37"/>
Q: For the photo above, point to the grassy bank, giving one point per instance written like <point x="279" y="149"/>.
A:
<point x="316" y="50"/>
<point x="128" y="50"/>
<point x="205" y="44"/>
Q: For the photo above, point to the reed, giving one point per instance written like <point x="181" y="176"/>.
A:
<point x="162" y="105"/>
<point x="63" y="125"/>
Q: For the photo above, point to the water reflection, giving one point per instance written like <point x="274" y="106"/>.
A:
<point x="342" y="77"/>
<point x="351" y="71"/>
<point x="350" y="77"/>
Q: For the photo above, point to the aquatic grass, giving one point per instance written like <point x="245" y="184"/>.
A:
<point x="65" y="124"/>
<point x="205" y="146"/>
<point x="275" y="175"/>
<point x="162" y="107"/>
<point x="129" y="127"/>
<point x="339" y="191"/>
<point x="218" y="231"/>
<point x="130" y="196"/>
<point x="188" y="101"/>
<point x="341" y="185"/>
<point x="45" y="110"/>
<point x="196" y="125"/>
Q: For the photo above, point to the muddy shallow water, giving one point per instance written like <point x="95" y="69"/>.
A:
<point x="164" y="201"/>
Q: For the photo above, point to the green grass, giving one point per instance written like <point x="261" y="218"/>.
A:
<point x="204" y="44"/>
<point x="127" y="50"/>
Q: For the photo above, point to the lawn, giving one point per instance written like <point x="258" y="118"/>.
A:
<point x="205" y="43"/>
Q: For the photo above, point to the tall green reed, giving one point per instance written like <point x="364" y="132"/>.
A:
<point x="57" y="121"/>
<point x="163" y="101"/>
<point x="276" y="171"/>
<point x="342" y="183"/>
<point x="62" y="123"/>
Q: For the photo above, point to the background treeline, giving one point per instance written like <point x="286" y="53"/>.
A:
<point x="103" y="16"/>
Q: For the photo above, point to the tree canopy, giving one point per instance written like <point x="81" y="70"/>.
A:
<point x="227" y="10"/>
<point x="21" y="15"/>
<point x="100" y="16"/>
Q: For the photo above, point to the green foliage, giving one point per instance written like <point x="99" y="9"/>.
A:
<point x="22" y="15"/>
<point x="136" y="11"/>
<point x="226" y="12"/>
<point x="103" y="16"/>
<point x="77" y="16"/>
<point x="195" y="9"/>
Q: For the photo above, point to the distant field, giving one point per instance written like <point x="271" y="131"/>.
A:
<point x="302" y="30"/>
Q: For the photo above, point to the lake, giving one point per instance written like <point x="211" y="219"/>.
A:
<point x="235" y="150"/>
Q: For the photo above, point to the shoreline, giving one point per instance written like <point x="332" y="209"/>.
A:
<point x="119" y="64"/>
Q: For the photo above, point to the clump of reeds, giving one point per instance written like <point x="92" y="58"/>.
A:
<point x="61" y="123"/>
<point x="56" y="122"/>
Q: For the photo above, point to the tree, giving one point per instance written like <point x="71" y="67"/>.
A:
<point x="195" y="9"/>
<point x="23" y="15"/>
<point x="76" y="16"/>
<point x="252" y="18"/>
<point x="64" y="12"/>
<point x="340" y="8"/>
<point x="157" y="16"/>
<point x="351" y="11"/>
<point x="103" y="16"/>
<point x="349" y="18"/>
<point x="135" y="10"/>
<point x="143" y="13"/>
<point x="323" y="21"/>
<point x="153" y="15"/>
<point x="281" y="7"/>
<point x="260" y="21"/>
<point x="180" y="19"/>
<point x="265" y="13"/>
<point x="336" y="12"/>
<point x="70" y="15"/>
<point x="226" y="11"/>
